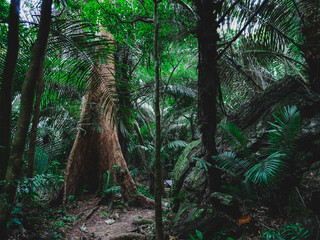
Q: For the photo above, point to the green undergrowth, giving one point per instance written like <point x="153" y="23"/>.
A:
<point x="145" y="192"/>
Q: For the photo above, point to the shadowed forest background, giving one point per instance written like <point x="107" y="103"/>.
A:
<point x="160" y="119"/>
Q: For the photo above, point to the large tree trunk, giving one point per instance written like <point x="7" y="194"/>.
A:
<point x="6" y="87"/>
<point x="27" y="97"/>
<point x="208" y="82"/>
<point x="96" y="149"/>
<point x="255" y="114"/>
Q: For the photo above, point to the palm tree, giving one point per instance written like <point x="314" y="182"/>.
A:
<point x="289" y="30"/>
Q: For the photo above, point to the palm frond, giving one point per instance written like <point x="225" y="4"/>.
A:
<point x="181" y="91"/>
<point x="176" y="144"/>
<point x="232" y="133"/>
<point x="284" y="130"/>
<point x="229" y="162"/>
<point x="266" y="171"/>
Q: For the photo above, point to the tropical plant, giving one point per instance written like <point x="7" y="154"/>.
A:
<point x="173" y="139"/>
<point x="293" y="34"/>
<point x="108" y="185"/>
<point x="199" y="236"/>
<point x="202" y="163"/>
<point x="264" y="169"/>
<point x="287" y="232"/>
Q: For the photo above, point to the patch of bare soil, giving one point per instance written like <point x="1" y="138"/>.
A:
<point x="100" y="222"/>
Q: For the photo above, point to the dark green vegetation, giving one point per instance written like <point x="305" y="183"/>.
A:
<point x="105" y="98"/>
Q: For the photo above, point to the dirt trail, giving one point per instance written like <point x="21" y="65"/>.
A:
<point x="97" y="222"/>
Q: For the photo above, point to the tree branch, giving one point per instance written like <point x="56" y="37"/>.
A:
<point x="139" y="19"/>
<point x="187" y="7"/>
<point x="227" y="12"/>
<point x="239" y="68"/>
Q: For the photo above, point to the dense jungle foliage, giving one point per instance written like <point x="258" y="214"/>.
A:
<point x="205" y="111"/>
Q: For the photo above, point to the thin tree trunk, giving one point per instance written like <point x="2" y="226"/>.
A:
<point x="34" y="128"/>
<point x="158" y="164"/>
<point x="6" y="87"/>
<point x="141" y="142"/>
<point x="16" y="158"/>
<point x="193" y="131"/>
<point x="208" y="81"/>
<point x="192" y="127"/>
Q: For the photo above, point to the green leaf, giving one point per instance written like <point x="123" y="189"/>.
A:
<point x="16" y="210"/>
<point x="233" y="135"/>
<point x="232" y="164"/>
<point x="192" y="237"/>
<point x="199" y="234"/>
<point x="16" y="221"/>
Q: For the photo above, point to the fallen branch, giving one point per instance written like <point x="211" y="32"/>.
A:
<point x="92" y="212"/>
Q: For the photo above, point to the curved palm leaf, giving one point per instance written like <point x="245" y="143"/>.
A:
<point x="232" y="164"/>
<point x="265" y="172"/>
<point x="285" y="129"/>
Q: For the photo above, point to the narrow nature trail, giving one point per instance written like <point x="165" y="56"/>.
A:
<point x="97" y="222"/>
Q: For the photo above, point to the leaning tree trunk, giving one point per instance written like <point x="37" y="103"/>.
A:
<point x="27" y="97"/>
<point x="96" y="149"/>
<point x="208" y="82"/>
<point x="6" y="87"/>
<point x="34" y="128"/>
<point x="311" y="46"/>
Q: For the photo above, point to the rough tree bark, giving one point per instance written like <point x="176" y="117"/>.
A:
<point x="6" y="87"/>
<point x="208" y="81"/>
<point x="288" y="91"/>
<point x="96" y="148"/>
<point x="27" y="97"/>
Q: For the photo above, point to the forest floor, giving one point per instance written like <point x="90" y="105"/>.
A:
<point x="98" y="222"/>
<point x="84" y="219"/>
<point x="91" y="217"/>
<point x="87" y="218"/>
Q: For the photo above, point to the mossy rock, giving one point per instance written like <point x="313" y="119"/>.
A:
<point x="183" y="163"/>
<point x="223" y="199"/>
<point x="194" y="185"/>
<point x="189" y="181"/>
<point x="192" y="217"/>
